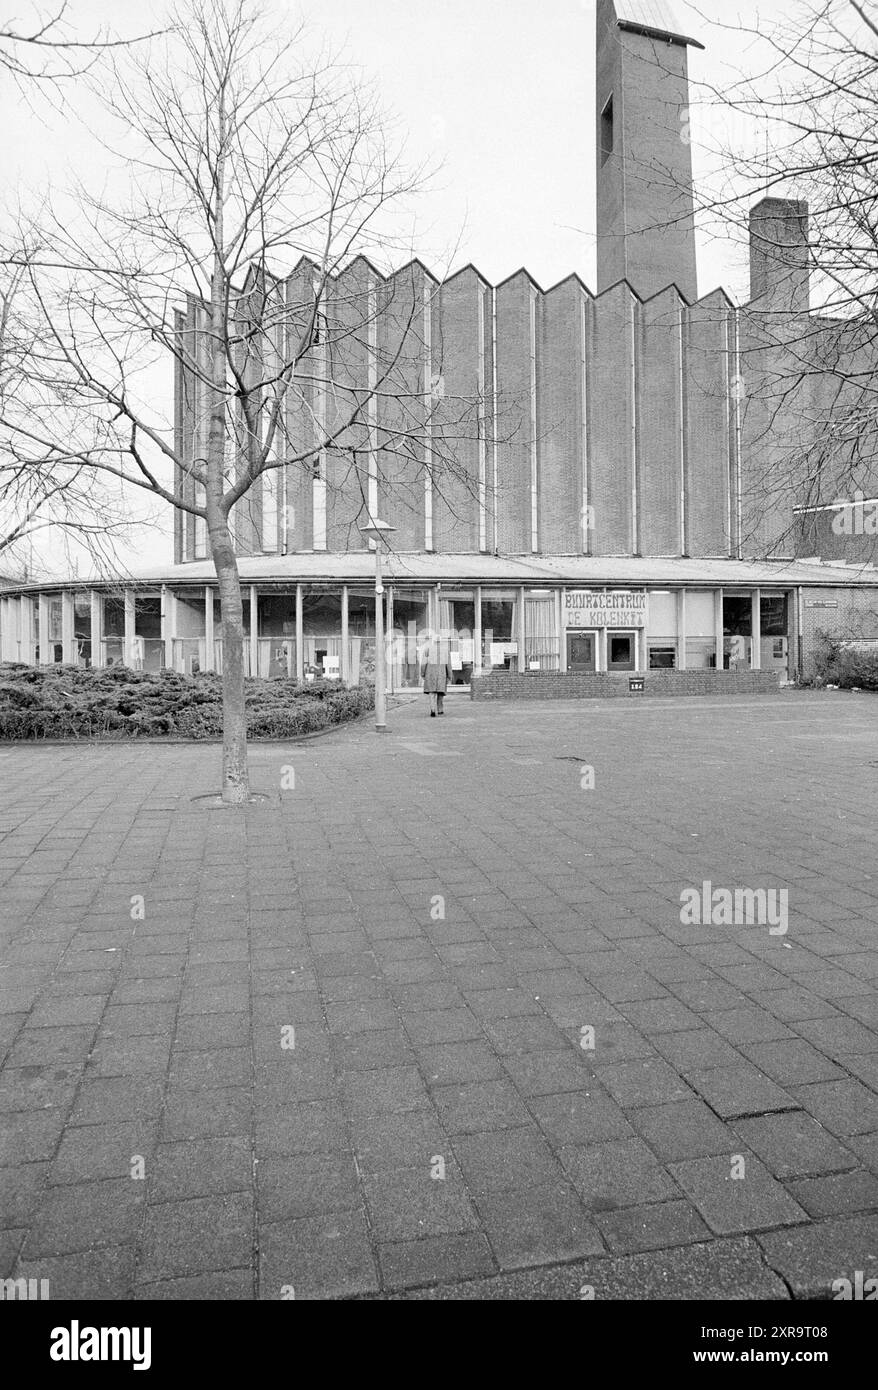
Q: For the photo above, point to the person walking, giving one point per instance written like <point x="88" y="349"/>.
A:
<point x="436" y="674"/>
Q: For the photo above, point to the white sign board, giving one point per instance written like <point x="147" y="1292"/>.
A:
<point x="618" y="608"/>
<point x="332" y="667"/>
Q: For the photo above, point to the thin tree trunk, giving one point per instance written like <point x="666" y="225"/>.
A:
<point x="236" y="777"/>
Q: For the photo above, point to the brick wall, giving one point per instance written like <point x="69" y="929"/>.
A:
<point x="855" y="616"/>
<point x="603" y="685"/>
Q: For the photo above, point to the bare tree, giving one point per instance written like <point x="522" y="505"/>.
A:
<point x="258" y="180"/>
<point x="804" y="126"/>
<point x="46" y="50"/>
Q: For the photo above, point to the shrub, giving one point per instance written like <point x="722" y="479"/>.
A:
<point x="835" y="663"/>
<point x="72" y="702"/>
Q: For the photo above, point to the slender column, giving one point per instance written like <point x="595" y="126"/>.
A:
<point x="300" y="638"/>
<point x="756" y="630"/>
<point x="388" y="640"/>
<point x="169" y="624"/>
<point x="27" y="628"/>
<point x="45" y="650"/>
<point x="97" y="628"/>
<point x="130" y="627"/>
<point x="380" y="693"/>
<point x="254" y="631"/>
<point x="718" y="622"/>
<point x="681" y="629"/>
<point x="209" y="634"/>
<point x="522" y="628"/>
<point x="344" y="667"/>
<point x="477" y="632"/>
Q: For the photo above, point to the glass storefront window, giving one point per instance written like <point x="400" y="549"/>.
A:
<point x="700" y="629"/>
<point x="321" y="641"/>
<point x="408" y="648"/>
<point x="82" y="629"/>
<point x="737" y="632"/>
<point x="361" y="635"/>
<point x="542" y="645"/>
<point x="499" y="633"/>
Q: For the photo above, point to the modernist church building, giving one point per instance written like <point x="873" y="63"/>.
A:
<point x="626" y="499"/>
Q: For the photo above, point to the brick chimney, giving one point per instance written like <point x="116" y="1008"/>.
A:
<point x="779" y="275"/>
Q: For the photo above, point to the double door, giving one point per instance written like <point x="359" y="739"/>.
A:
<point x="582" y="651"/>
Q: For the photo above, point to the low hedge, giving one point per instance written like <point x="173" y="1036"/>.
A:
<point x="69" y="702"/>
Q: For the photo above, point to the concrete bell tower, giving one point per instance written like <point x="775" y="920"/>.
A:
<point x="645" y="216"/>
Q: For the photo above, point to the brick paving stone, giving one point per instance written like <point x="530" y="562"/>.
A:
<point x="844" y="1107"/>
<point x="580" y="1117"/>
<point x="446" y="1063"/>
<point x="407" y="1203"/>
<point x="791" y="1063"/>
<point x="620" y="1173"/>
<point x="683" y="1129"/>
<point x="743" y="1090"/>
<point x="793" y="1144"/>
<point x="21" y="1192"/>
<point x="548" y="1073"/>
<point x="207" y="1112"/>
<point x="318" y="1257"/>
<point x="289" y="1188"/>
<point x="836" y="1036"/>
<point x="643" y="1082"/>
<point x="199" y="1168"/>
<point x="385" y="1141"/>
<point x="414" y="1263"/>
<point x="693" y="1051"/>
<point x="479" y="1105"/>
<point x="536" y="1225"/>
<point x="749" y="1025"/>
<point x="82" y="1216"/>
<point x="28" y="1136"/>
<point x="660" y="1015"/>
<point x="11" y="1242"/>
<point x="91" y="1152"/>
<point x="227" y="1286"/>
<point x="497" y="1160"/>
<point x="732" y="1206"/>
<point x="441" y="1025"/>
<point x="865" y="1146"/>
<point x="196" y="1235"/>
<point x="38" y="1088"/>
<point x="102" y="1274"/>
<point x="811" y="1258"/>
<point x="837" y="1194"/>
<point x="385" y="1090"/>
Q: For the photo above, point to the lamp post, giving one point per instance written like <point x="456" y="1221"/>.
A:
<point x="377" y="532"/>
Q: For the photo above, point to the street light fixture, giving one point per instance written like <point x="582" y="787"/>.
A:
<point x="377" y="531"/>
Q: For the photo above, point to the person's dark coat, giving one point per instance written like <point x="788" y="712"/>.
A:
<point x="437" y="677"/>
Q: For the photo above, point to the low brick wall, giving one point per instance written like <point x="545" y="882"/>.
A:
<point x="604" y="685"/>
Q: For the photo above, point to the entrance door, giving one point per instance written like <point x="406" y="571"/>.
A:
<point x="581" y="651"/>
<point x="621" y="651"/>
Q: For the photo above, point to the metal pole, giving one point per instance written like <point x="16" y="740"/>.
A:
<point x="380" y="696"/>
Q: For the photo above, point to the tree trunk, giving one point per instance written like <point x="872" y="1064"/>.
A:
<point x="236" y="777"/>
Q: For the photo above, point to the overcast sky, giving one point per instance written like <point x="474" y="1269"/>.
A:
<point x="501" y="91"/>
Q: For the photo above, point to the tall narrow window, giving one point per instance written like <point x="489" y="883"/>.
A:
<point x="607" y="131"/>
<point x="200" y="523"/>
<point x="270" y="480"/>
